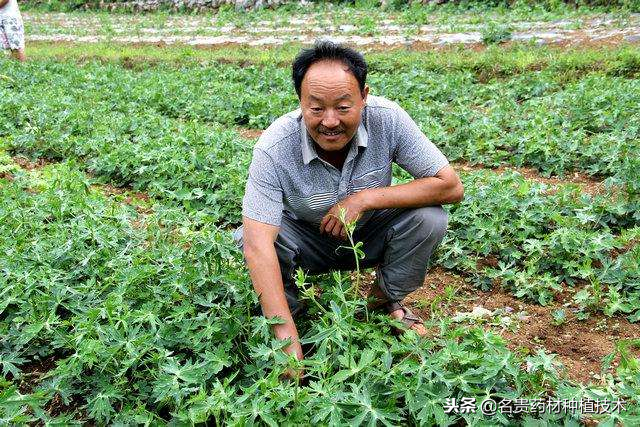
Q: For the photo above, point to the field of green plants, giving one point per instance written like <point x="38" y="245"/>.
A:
<point x="123" y="299"/>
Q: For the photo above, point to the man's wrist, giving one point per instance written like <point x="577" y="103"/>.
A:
<point x="289" y="331"/>
<point x="286" y="330"/>
<point x="365" y="199"/>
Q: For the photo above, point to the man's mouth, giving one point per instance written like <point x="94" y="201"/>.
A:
<point x="331" y="133"/>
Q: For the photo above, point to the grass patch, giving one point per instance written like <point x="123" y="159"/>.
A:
<point x="492" y="62"/>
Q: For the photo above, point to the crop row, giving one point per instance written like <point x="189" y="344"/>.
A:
<point x="150" y="317"/>
<point x="534" y="240"/>
<point x="548" y="120"/>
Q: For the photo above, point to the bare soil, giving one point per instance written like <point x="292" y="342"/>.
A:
<point x="581" y="39"/>
<point x="580" y="344"/>
<point x="27" y="164"/>
<point x="626" y="248"/>
<point x="250" y="133"/>
<point x="33" y="372"/>
<point x="131" y="195"/>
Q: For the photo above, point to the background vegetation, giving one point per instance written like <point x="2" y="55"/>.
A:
<point x="123" y="299"/>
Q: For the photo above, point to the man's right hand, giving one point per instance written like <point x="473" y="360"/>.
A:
<point x="264" y="269"/>
<point x="283" y="332"/>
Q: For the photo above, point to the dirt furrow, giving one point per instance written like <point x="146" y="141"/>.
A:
<point x="201" y="31"/>
<point x="417" y="42"/>
<point x="580" y="344"/>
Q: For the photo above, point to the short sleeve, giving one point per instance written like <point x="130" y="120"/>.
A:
<point x="263" y="194"/>
<point x="414" y="152"/>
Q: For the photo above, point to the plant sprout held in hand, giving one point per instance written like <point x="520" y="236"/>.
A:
<point x="358" y="253"/>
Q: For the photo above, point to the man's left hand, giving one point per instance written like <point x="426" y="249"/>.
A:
<point x="354" y="206"/>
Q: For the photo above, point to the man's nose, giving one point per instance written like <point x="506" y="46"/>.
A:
<point x="330" y="119"/>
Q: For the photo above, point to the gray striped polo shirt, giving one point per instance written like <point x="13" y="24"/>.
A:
<point x="287" y="177"/>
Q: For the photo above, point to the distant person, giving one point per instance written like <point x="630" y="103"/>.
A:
<point x="12" y="29"/>
<point x="336" y="152"/>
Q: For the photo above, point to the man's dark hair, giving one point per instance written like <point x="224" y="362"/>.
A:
<point x="328" y="50"/>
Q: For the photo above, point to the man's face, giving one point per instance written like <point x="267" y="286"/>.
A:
<point x="331" y="104"/>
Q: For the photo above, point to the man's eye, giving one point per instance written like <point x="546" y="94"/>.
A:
<point x="316" y="109"/>
<point x="344" y="108"/>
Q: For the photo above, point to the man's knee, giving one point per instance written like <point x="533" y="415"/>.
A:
<point x="430" y="222"/>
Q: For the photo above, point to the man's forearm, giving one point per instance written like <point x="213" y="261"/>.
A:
<point x="262" y="262"/>
<point x="417" y="193"/>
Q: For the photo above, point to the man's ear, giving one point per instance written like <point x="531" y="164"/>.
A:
<point x="365" y="92"/>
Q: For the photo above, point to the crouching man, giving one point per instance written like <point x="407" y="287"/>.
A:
<point x="336" y="152"/>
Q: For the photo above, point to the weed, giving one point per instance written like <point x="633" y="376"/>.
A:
<point x="559" y="317"/>
<point x="494" y="33"/>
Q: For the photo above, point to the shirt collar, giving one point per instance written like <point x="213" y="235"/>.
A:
<point x="309" y="151"/>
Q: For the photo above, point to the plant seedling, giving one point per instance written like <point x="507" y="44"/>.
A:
<point x="559" y="317"/>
